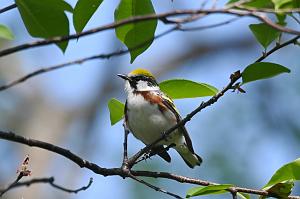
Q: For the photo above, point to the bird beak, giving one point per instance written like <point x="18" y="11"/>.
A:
<point x="124" y="77"/>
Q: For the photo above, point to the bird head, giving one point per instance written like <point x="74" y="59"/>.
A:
<point x="139" y="80"/>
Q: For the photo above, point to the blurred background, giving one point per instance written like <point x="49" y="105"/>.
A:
<point x="243" y="139"/>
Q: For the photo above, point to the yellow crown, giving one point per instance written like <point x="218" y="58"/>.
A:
<point x="141" y="71"/>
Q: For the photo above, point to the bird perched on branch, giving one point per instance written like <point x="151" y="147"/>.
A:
<point x="149" y="113"/>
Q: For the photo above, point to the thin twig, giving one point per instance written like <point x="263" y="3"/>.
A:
<point x="72" y="190"/>
<point x="160" y="16"/>
<point x="295" y="18"/>
<point x="45" y="180"/>
<point x="234" y="77"/>
<point x="124" y="173"/>
<point x="125" y="154"/>
<point x="12" y="185"/>
<point x="154" y="187"/>
<point x="197" y="28"/>
<point x="10" y="7"/>
<point x="106" y="56"/>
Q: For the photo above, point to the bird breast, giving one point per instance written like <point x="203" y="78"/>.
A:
<point x="147" y="121"/>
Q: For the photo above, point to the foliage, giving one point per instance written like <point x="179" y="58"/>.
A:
<point x="141" y="33"/>
<point x="175" y="88"/>
<point x="211" y="189"/>
<point x="48" y="19"/>
<point x="5" y="32"/>
<point x="262" y="70"/>
<point x="83" y="12"/>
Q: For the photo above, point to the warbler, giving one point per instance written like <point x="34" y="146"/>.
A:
<point x="149" y="113"/>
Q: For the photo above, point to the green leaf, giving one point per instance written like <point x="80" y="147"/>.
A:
<point x="256" y="3"/>
<point x="288" y="172"/>
<point x="280" y="3"/>
<point x="46" y="18"/>
<point x="116" y="109"/>
<point x="281" y="19"/>
<point x="262" y="70"/>
<point x="182" y="88"/>
<point x="6" y="33"/>
<point x="83" y="12"/>
<point x="212" y="189"/>
<point x="243" y="195"/>
<point x="264" y="33"/>
<point x="136" y="36"/>
<point x="282" y="189"/>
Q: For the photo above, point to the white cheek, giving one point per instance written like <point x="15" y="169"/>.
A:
<point x="143" y="86"/>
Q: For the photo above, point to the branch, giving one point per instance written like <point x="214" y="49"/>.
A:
<point x="108" y="55"/>
<point x="233" y="78"/>
<point x="45" y="180"/>
<point x="128" y="172"/>
<point x="154" y="187"/>
<point x="125" y="172"/>
<point x="10" y="7"/>
<point x="118" y="171"/>
<point x="161" y="16"/>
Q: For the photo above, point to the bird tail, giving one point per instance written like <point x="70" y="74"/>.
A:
<point x="189" y="157"/>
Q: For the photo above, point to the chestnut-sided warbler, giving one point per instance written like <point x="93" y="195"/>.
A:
<point x="149" y="112"/>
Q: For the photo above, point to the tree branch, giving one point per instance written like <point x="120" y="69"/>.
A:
<point x="125" y="171"/>
<point x="108" y="55"/>
<point x="118" y="171"/>
<point x="233" y="78"/>
<point x="10" y="7"/>
<point x="161" y="16"/>
<point x="45" y="180"/>
<point x="154" y="187"/>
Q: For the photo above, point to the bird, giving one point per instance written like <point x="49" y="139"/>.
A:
<point x="149" y="113"/>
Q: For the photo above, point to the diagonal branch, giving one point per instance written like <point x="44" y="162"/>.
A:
<point x="234" y="77"/>
<point x="108" y="55"/>
<point x="10" y="7"/>
<point x="118" y="171"/>
<point x="161" y="16"/>
<point x="154" y="187"/>
<point x="125" y="172"/>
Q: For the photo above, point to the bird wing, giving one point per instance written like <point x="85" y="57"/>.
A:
<point x="168" y="102"/>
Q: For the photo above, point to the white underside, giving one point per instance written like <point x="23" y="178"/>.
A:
<point x="147" y="122"/>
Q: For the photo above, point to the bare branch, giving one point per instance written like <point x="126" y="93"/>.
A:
<point x="45" y="180"/>
<point x="161" y="16"/>
<point x="71" y="190"/>
<point x="233" y="78"/>
<point x="106" y="56"/>
<point x="125" y="171"/>
<point x="125" y="154"/>
<point x="10" y="7"/>
<point x="154" y="187"/>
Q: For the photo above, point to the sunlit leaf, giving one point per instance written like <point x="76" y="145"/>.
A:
<point x="262" y="70"/>
<point x="264" y="33"/>
<point x="83" y="12"/>
<point x="45" y="18"/>
<point x="136" y="36"/>
<point x="182" y="88"/>
<point x="6" y="33"/>
<point x="288" y="172"/>
<point x="282" y="189"/>
<point x="281" y="3"/>
<point x="243" y="195"/>
<point x="255" y="3"/>
<point x="116" y="110"/>
<point x="212" y="189"/>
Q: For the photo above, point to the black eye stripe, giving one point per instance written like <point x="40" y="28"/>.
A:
<point x="150" y="81"/>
